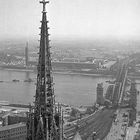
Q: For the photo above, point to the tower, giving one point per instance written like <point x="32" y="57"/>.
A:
<point x="26" y="54"/>
<point x="133" y="95"/>
<point x="99" y="90"/>
<point x="44" y="120"/>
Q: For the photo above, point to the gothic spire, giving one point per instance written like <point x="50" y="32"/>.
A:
<point x="44" y="120"/>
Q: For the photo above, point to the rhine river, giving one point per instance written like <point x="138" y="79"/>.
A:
<point x="74" y="90"/>
<point x="69" y="89"/>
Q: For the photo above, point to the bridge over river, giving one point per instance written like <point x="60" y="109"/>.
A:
<point x="101" y="121"/>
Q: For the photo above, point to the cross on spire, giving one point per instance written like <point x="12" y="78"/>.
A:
<point x="44" y="2"/>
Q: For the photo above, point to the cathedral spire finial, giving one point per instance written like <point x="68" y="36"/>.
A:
<point x="44" y="4"/>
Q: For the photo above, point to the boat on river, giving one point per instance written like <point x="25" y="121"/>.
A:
<point x="28" y="80"/>
<point x="15" y="80"/>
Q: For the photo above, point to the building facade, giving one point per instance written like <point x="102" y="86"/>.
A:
<point x="13" y="119"/>
<point x="13" y="132"/>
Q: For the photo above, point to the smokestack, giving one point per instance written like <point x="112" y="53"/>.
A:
<point x="26" y="54"/>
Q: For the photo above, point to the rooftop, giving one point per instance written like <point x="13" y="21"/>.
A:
<point x="8" y="127"/>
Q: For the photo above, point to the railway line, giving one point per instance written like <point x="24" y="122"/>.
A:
<point x="101" y="121"/>
<point x="93" y="123"/>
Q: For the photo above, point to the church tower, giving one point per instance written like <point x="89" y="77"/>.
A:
<point x="44" y="120"/>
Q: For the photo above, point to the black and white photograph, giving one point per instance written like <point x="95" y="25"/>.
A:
<point x="69" y="69"/>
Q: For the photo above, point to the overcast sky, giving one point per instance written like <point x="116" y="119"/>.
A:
<point x="71" y="18"/>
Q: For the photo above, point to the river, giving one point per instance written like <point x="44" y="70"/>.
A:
<point x="69" y="89"/>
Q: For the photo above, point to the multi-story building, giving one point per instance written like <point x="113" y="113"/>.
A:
<point x="13" y="132"/>
<point x="13" y="119"/>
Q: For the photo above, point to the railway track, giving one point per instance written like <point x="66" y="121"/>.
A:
<point x="98" y="122"/>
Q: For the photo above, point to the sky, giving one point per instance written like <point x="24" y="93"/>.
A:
<point x="83" y="19"/>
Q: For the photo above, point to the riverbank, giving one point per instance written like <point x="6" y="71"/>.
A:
<point x="60" y="72"/>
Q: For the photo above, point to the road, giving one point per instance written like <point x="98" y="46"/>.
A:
<point x="118" y="129"/>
